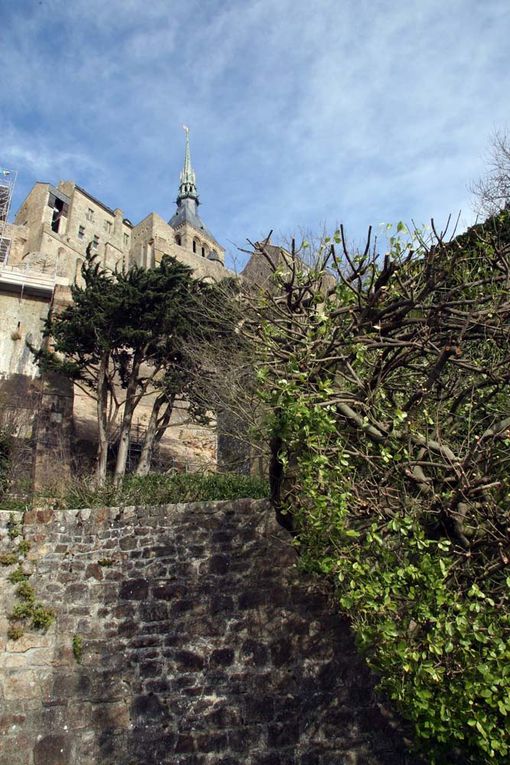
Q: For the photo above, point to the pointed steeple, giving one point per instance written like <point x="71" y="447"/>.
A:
<point x="187" y="215"/>
<point x="187" y="186"/>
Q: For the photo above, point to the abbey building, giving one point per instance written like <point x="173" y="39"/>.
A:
<point x="41" y="253"/>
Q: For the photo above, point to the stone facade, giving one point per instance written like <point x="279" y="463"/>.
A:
<point x="200" y="644"/>
<point x="22" y="321"/>
<point x="55" y="224"/>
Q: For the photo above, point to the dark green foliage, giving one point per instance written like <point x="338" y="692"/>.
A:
<point x="129" y="333"/>
<point x="118" y="321"/>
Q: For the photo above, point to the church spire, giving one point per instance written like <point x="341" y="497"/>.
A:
<point x="187" y="186"/>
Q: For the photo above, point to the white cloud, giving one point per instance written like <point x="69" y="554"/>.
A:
<point x="300" y="111"/>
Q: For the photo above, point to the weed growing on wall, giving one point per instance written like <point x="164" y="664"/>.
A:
<point x="77" y="646"/>
<point x="27" y="611"/>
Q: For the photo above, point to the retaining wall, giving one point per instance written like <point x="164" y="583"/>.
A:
<point x="202" y="644"/>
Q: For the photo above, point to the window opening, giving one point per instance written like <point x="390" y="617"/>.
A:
<point x="4" y="249"/>
<point x="59" y="211"/>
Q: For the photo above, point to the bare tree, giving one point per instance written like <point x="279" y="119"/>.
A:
<point x="492" y="190"/>
<point x="221" y="366"/>
<point x="411" y="352"/>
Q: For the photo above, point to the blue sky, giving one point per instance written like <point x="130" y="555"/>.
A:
<point x="303" y="114"/>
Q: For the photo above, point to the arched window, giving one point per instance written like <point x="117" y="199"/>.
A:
<point x="203" y="251"/>
<point x="194" y="245"/>
<point x="178" y="239"/>
<point x="77" y="273"/>
<point x="60" y="264"/>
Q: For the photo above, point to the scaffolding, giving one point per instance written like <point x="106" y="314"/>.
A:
<point x="7" y="183"/>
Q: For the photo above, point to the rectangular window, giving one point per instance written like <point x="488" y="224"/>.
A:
<point x="108" y="226"/>
<point x="90" y="214"/>
<point x="81" y="232"/>
<point x="126" y="240"/>
<point x="95" y="242"/>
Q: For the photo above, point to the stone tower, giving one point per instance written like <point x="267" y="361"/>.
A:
<point x="190" y="232"/>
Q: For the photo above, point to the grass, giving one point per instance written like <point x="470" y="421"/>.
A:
<point x="15" y="506"/>
<point x="161" y="489"/>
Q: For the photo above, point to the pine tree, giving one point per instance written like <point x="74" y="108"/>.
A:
<point x="127" y="331"/>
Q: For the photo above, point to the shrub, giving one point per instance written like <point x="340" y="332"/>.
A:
<point x="387" y="381"/>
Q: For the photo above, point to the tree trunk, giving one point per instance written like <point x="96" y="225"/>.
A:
<point x="102" y="444"/>
<point x="164" y="421"/>
<point x="154" y="433"/>
<point x="144" y="463"/>
<point x="276" y="481"/>
<point x="125" y="430"/>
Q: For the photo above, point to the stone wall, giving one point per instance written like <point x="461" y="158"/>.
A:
<point x="53" y="431"/>
<point x="202" y="644"/>
<point x="22" y="322"/>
